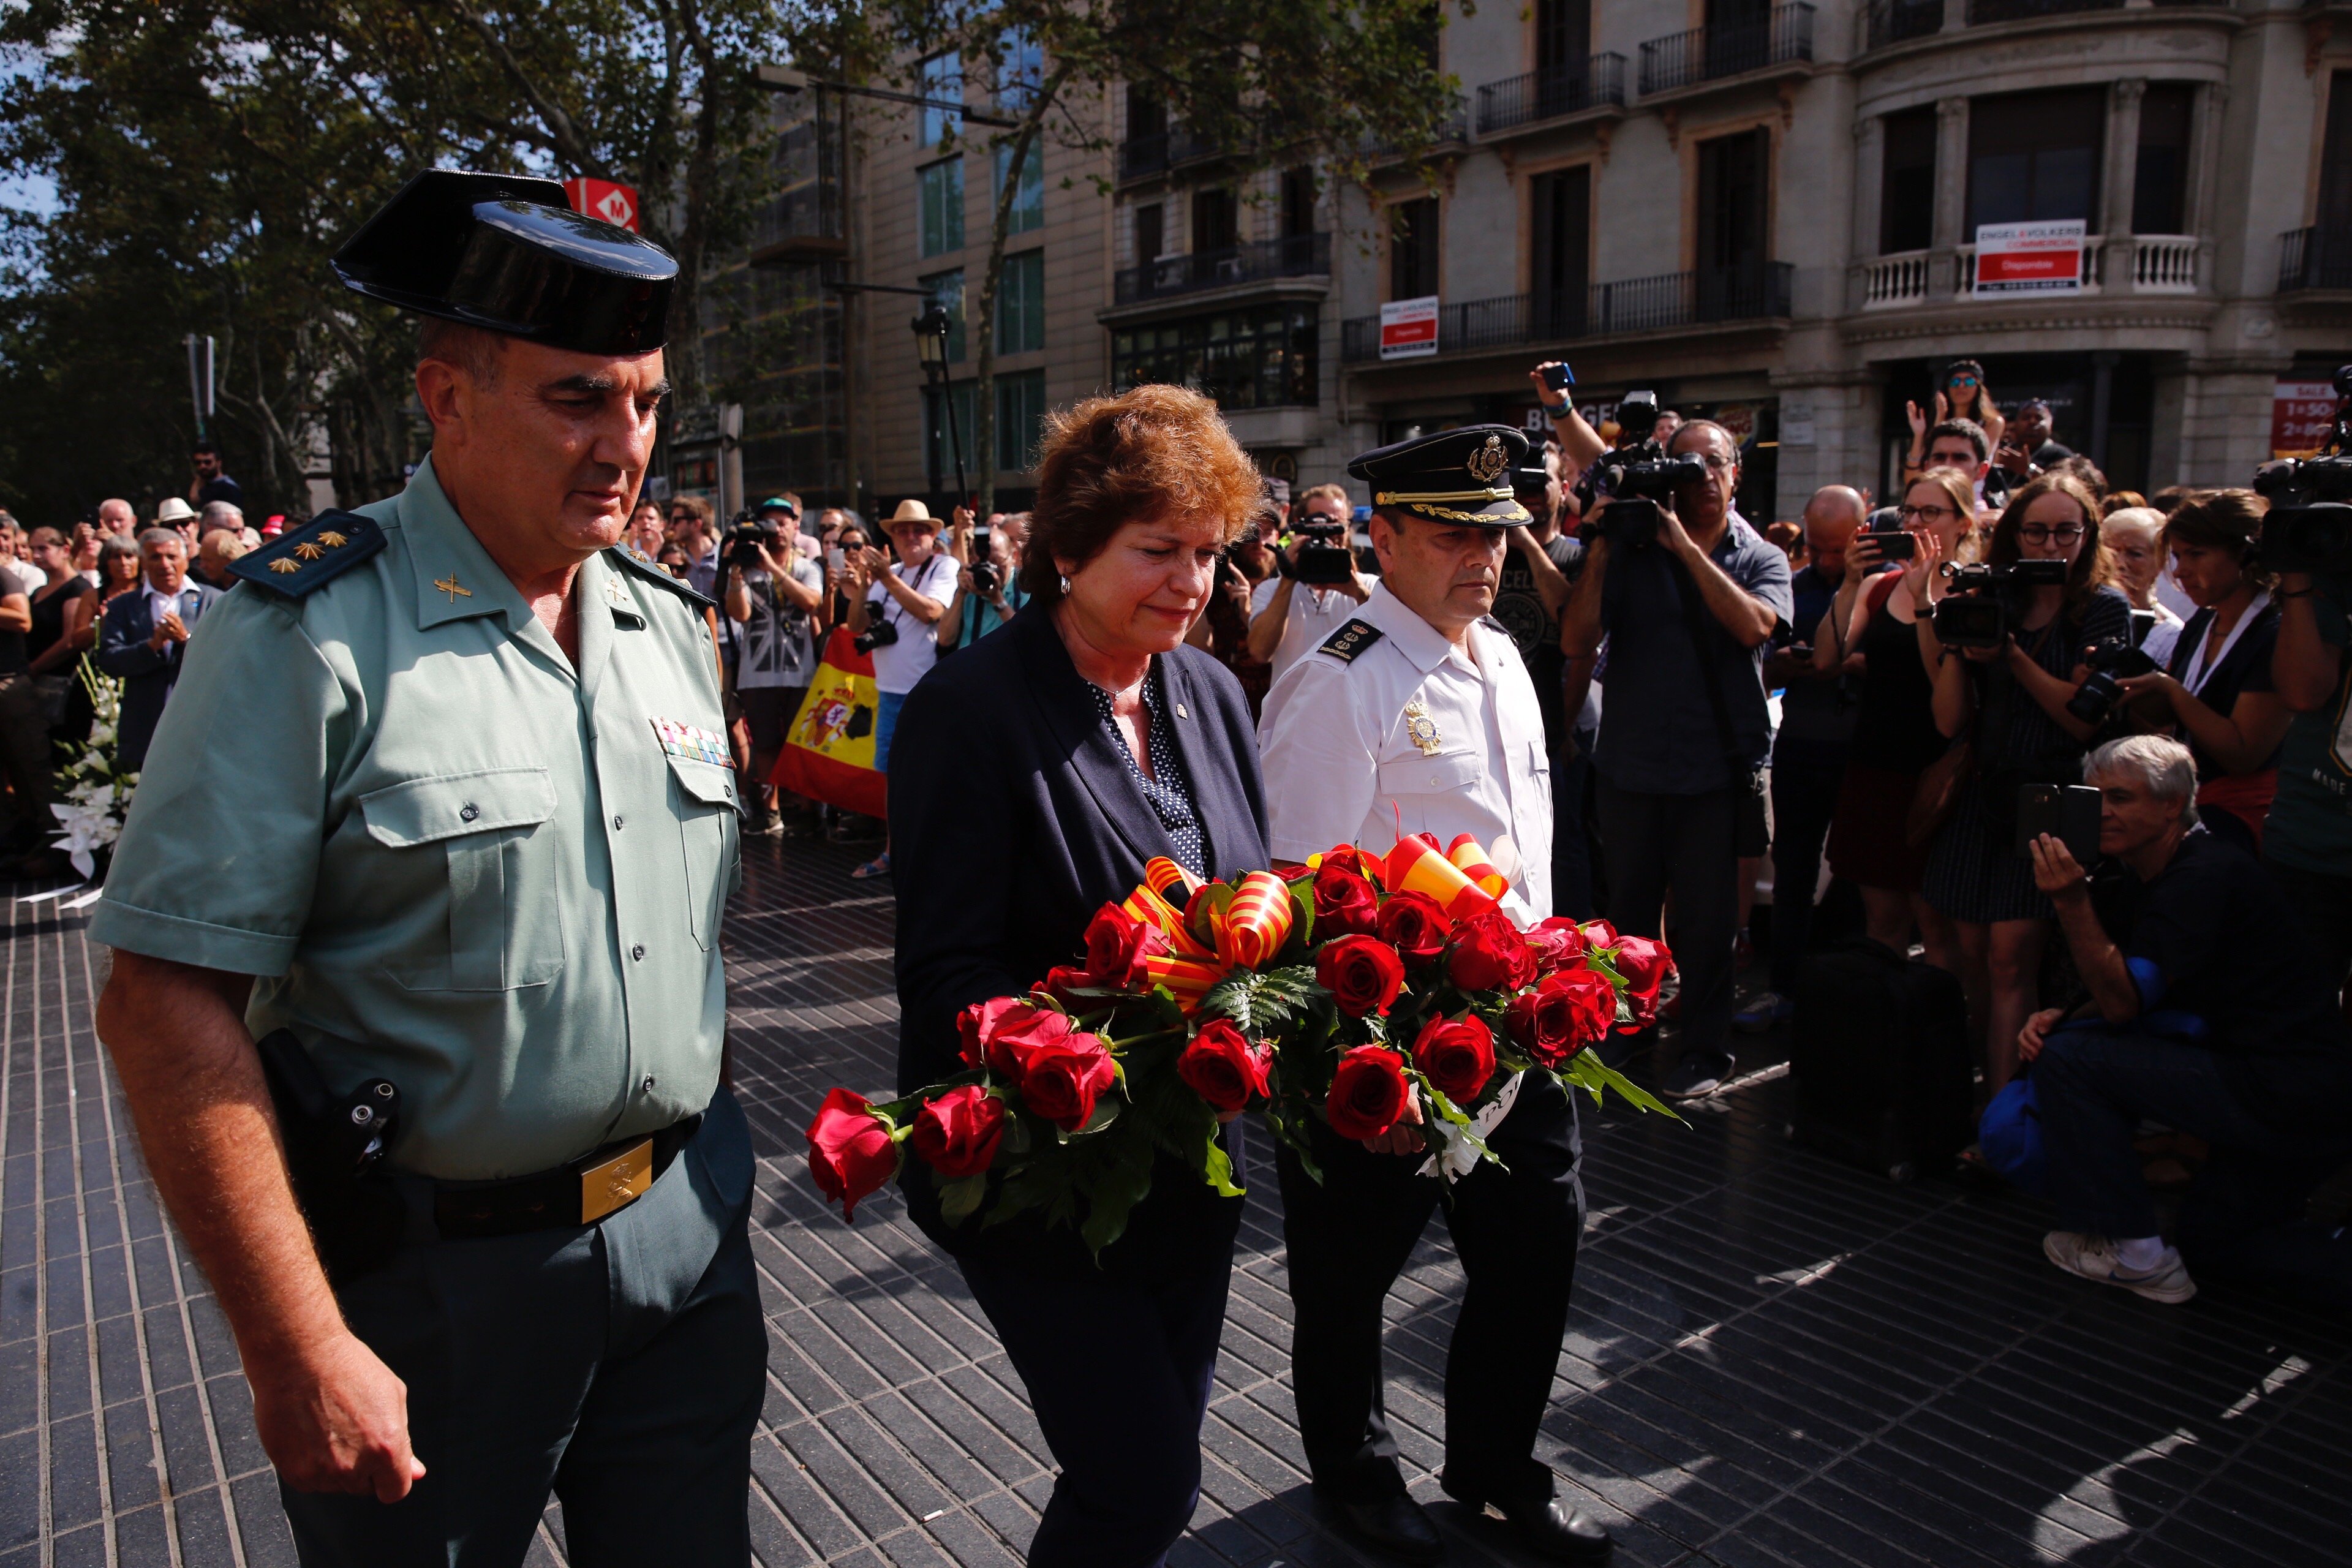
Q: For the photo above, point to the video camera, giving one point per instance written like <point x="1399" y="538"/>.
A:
<point x="745" y="535"/>
<point x="2309" y="525"/>
<point x="1988" y="603"/>
<point x="2111" y="661"/>
<point x="1637" y="477"/>
<point x="1325" y="556"/>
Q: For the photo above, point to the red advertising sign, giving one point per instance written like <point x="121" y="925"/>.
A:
<point x="2301" y="414"/>
<point x="1409" y="328"/>
<point x="616" y="204"/>
<point x="2030" y="258"/>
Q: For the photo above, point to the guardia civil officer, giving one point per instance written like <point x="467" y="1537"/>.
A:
<point x="1419" y="713"/>
<point x="415" y="923"/>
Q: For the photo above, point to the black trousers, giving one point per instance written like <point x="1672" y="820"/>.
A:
<point x="1119" y="1373"/>
<point x="1685" y="842"/>
<point x="1804" y="798"/>
<point x="1515" y="1231"/>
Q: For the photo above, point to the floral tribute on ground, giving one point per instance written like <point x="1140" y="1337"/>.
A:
<point x="1345" y="991"/>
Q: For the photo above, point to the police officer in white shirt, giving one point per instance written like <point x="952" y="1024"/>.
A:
<point x="1418" y="712"/>
<point x="1287" y="616"/>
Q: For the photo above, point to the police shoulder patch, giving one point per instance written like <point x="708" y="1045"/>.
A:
<point x="1349" y="640"/>
<point x="1492" y="625"/>
<point x="639" y="567"/>
<point x="311" y="556"/>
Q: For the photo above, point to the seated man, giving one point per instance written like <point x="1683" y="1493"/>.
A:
<point x="2206" y="1013"/>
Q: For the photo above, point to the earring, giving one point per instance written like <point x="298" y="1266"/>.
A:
<point x="1066" y="585"/>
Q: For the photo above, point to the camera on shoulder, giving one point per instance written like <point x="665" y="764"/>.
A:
<point x="1637" y="477"/>
<point x="2309" y="525"/>
<point x="1987" y="603"/>
<point x="1324" y="556"/>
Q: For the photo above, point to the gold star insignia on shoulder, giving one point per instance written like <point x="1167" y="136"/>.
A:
<point x="332" y="539"/>
<point x="283" y="565"/>
<point x="309" y="550"/>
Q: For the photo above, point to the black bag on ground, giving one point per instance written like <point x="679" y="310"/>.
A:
<point x="1879" y="1050"/>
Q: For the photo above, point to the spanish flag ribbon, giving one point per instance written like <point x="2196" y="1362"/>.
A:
<point x="1469" y="857"/>
<point x="1252" y="929"/>
<point x="1414" y="865"/>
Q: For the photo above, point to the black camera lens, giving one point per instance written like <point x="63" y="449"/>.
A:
<point x="881" y="634"/>
<point x="2094" y="700"/>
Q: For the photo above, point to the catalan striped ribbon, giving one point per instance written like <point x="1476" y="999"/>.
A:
<point x="1162" y="876"/>
<point x="1414" y="865"/>
<point x="1187" y="979"/>
<point x="1469" y="857"/>
<point x="1252" y="928"/>
<point x="1153" y="911"/>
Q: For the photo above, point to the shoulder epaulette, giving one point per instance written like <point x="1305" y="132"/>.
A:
<point x="639" y="566"/>
<point x="1492" y="625"/>
<point x="311" y="556"/>
<point x="1349" y="640"/>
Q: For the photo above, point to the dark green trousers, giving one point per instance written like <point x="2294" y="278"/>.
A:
<point x="620" y="1366"/>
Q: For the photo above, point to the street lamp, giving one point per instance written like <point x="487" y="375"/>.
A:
<point x="931" y="330"/>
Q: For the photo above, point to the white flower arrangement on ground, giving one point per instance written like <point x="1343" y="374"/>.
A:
<point x="97" y="790"/>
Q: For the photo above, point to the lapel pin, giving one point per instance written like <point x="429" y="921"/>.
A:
<point x="1180" y="712"/>
<point x="449" y="586"/>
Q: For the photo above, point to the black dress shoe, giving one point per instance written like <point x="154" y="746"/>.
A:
<point x="1395" y="1527"/>
<point x="1551" y="1529"/>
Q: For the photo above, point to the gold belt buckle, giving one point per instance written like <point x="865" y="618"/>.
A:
<point x="617" y="1183"/>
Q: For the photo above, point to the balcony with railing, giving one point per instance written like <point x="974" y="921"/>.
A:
<point x="2142" y="264"/>
<point x="1666" y="303"/>
<point x="1712" y="54"/>
<point x="2315" y="259"/>
<point x="1292" y="256"/>
<point x="1141" y="157"/>
<point x="1553" y="93"/>
<point x="1452" y="129"/>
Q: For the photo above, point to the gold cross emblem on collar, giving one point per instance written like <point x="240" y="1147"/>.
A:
<point x="449" y="586"/>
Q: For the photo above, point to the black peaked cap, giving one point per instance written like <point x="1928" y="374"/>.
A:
<point x="1455" y="476"/>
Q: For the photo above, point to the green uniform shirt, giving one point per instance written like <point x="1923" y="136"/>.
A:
<point x="454" y="860"/>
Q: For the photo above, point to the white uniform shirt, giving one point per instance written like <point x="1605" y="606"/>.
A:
<point x="1340" y="767"/>
<point x="1315" y="615"/>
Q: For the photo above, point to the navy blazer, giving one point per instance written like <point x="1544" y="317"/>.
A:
<point x="147" y="675"/>
<point x="1012" y="820"/>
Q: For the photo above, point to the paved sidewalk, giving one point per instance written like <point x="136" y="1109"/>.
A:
<point x="1771" y="1360"/>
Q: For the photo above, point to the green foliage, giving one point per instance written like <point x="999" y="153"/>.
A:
<point x="1261" y="1002"/>
<point x="1587" y="1071"/>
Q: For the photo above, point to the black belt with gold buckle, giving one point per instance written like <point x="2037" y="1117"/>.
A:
<point x="588" y="1189"/>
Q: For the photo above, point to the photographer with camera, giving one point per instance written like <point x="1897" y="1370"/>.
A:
<point x="986" y="595"/>
<point x="1223" y="627"/>
<point x="1287" y="625"/>
<point x="2203" y="1012"/>
<point x="2217" y="684"/>
<point x="2006" y="645"/>
<point x="772" y="594"/>
<point x="898" y="604"/>
<point x="1688" y="596"/>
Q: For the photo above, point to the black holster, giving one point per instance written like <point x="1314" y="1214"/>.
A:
<point x="335" y="1150"/>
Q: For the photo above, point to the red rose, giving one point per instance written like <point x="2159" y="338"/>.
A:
<point x="1490" y="953"/>
<point x="1601" y="933"/>
<point x="1415" y="926"/>
<point x="1644" y="964"/>
<point x="1061" y="1081"/>
<point x="1458" y="1056"/>
<point x="1570" y="1011"/>
<point x="1558" y="942"/>
<point x="957" y="1133"/>
<point x="1345" y="904"/>
<point x="1225" y="1066"/>
<point x="851" y="1153"/>
<point x="1063" y="979"/>
<point x="1117" y="945"/>
<point x="1364" y="975"/>
<point x="1017" y="1034"/>
<point x="977" y="1025"/>
<point x="1367" y="1092"/>
<point x="1346" y="857"/>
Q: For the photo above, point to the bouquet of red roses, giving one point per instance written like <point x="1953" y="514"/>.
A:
<point x="1341" y="991"/>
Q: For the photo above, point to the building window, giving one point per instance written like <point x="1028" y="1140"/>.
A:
<point x="940" y="189"/>
<point x="1563" y="37"/>
<point x="942" y="78"/>
<point x="1021" y="304"/>
<point x="2033" y="157"/>
<point x="1560" y="206"/>
<point x="946" y="288"/>
<point x="1029" y="200"/>
<point x="1150" y="234"/>
<point x="1412" y="249"/>
<point x="2161" y="176"/>
<point x="1263" y="357"/>
<point x="1216" y="222"/>
<point x="1022" y="71"/>
<point x="940" y="444"/>
<point x="1146" y="115"/>
<point x="1906" y="181"/>
<point x="1019" y="420"/>
<point x="1297" y="201"/>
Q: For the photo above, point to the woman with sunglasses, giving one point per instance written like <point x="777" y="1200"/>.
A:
<point x="2011" y="703"/>
<point x="1960" y="394"/>
<point x="1894" y="735"/>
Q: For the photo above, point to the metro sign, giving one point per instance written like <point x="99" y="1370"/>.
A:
<point x="616" y="204"/>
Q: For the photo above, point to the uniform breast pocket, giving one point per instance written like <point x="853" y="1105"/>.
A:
<point x="491" y="831"/>
<point x="1439" y="775"/>
<point x="707" y="828"/>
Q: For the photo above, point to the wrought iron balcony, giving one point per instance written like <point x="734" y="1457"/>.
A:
<point x="1551" y="93"/>
<point x="1295" y="255"/>
<point x="1758" y="291"/>
<point x="1710" y="54"/>
<point x="1141" y="157"/>
<point x="2315" y="259"/>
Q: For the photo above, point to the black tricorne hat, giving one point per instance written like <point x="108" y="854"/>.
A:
<point x="1455" y="476"/>
<point x="504" y="252"/>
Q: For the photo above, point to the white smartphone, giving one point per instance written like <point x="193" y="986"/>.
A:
<point x="836" y="560"/>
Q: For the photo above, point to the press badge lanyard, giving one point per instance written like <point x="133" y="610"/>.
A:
<point x="2201" y="670"/>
